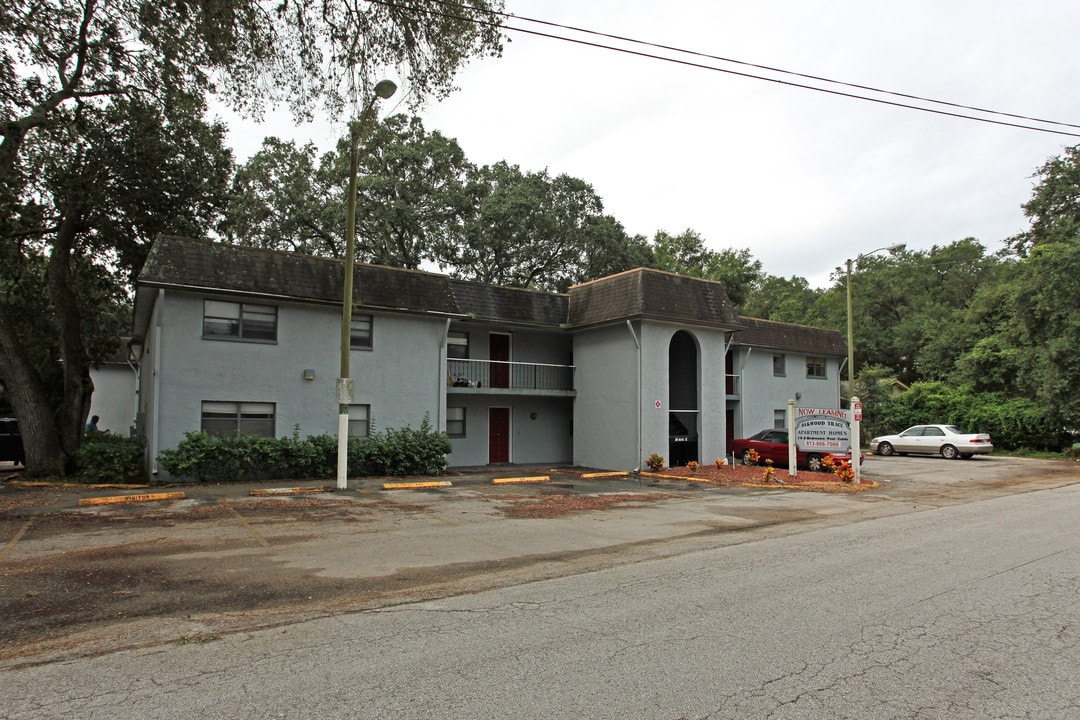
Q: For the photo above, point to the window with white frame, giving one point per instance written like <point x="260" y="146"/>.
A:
<point x="815" y="367"/>
<point x="243" y="418"/>
<point x="779" y="365"/>
<point x="779" y="419"/>
<point x="457" y="345"/>
<point x="359" y="420"/>
<point x="455" y="421"/>
<point x="360" y="332"/>
<point x="239" y="321"/>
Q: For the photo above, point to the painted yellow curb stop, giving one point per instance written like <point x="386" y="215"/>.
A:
<point x="521" y="480"/>
<point x="588" y="476"/>
<point x="417" y="485"/>
<point x="262" y="492"/>
<point x="145" y="497"/>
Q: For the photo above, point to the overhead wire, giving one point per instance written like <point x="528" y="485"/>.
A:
<point x="746" y="74"/>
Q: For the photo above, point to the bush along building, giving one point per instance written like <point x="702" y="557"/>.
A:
<point x="234" y="339"/>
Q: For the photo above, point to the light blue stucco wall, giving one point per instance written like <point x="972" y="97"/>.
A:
<point x="546" y="439"/>
<point x="114" y="397"/>
<point x="401" y="378"/>
<point x="763" y="392"/>
<point x="610" y="406"/>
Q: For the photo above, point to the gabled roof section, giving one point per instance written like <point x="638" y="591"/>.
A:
<point x="510" y="305"/>
<point x="651" y="294"/>
<point x="787" y="336"/>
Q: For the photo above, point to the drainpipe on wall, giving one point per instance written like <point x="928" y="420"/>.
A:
<point x="156" y="369"/>
<point x="442" y="374"/>
<point x="637" y="342"/>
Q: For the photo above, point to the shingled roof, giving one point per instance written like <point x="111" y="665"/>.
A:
<point x="786" y="336"/>
<point x="190" y="264"/>
<point x="651" y="294"/>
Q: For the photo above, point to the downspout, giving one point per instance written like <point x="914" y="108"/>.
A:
<point x="442" y="374"/>
<point x="637" y="342"/>
<point x="155" y="437"/>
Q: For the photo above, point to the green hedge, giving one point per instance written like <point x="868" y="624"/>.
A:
<point x="212" y="458"/>
<point x="106" y="457"/>
<point x="1012" y="422"/>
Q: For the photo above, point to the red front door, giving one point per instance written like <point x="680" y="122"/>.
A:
<point x="499" y="354"/>
<point x="498" y="435"/>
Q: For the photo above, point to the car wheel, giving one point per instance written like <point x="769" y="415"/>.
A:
<point x="813" y="463"/>
<point x="949" y="452"/>
<point x="885" y="449"/>
<point x="746" y="458"/>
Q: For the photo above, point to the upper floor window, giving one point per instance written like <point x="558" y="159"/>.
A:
<point x="815" y="367"/>
<point x="360" y="332"/>
<point x="241" y="321"/>
<point x="457" y="345"/>
<point x="245" y="418"/>
<point x="779" y="365"/>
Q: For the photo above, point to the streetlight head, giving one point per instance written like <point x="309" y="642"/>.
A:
<point x="897" y="248"/>
<point x="385" y="88"/>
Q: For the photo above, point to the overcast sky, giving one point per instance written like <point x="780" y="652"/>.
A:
<point x="802" y="179"/>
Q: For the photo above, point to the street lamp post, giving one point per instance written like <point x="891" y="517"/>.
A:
<point x="850" y="339"/>
<point x="358" y="130"/>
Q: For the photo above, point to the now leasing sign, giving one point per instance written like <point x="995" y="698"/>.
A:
<point x="819" y="430"/>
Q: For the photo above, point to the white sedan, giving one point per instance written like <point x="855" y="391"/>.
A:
<point x="945" y="440"/>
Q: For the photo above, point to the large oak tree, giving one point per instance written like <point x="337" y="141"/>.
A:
<point x="71" y="69"/>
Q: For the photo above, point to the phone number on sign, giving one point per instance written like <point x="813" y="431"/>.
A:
<point x="820" y="444"/>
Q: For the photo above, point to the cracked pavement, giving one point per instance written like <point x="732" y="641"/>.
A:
<point x="950" y="604"/>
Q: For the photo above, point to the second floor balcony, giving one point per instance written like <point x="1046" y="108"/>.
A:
<point x="494" y="376"/>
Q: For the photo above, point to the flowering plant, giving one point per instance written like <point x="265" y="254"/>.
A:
<point x="752" y="456"/>
<point x="767" y="476"/>
<point x="655" y="462"/>
<point x="844" y="471"/>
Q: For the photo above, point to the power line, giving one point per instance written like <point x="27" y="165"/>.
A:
<point x="747" y="74"/>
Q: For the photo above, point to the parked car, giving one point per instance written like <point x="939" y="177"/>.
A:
<point x="772" y="445"/>
<point x="11" y="447"/>
<point x="945" y="440"/>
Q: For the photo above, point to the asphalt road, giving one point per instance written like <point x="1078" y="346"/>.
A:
<point x="952" y="595"/>
<point x="965" y="610"/>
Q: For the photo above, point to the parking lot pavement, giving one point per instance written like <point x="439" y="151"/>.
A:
<point x="86" y="578"/>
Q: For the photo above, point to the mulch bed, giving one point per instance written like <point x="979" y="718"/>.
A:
<point x="754" y="476"/>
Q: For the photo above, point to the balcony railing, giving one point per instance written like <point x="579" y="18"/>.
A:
<point x="508" y="375"/>
<point x="732" y="385"/>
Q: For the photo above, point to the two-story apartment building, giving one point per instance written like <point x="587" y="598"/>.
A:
<point x="234" y="339"/>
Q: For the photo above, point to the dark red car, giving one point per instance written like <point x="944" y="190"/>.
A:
<point x="773" y="445"/>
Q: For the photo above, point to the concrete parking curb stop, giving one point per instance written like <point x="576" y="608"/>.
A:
<point x="417" y="485"/>
<point x="144" y="497"/>
<point x="590" y="476"/>
<point x="262" y="492"/>
<point x="520" y="480"/>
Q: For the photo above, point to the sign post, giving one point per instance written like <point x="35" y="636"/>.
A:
<point x="856" y="421"/>
<point x="792" y="450"/>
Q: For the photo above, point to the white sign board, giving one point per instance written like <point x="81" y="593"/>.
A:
<point x="822" y="430"/>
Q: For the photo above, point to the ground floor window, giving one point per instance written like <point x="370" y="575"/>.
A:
<point x="779" y="419"/>
<point x="455" y="421"/>
<point x="232" y="418"/>
<point x="359" y="420"/>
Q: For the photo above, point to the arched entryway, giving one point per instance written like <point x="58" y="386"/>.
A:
<point x="683" y="417"/>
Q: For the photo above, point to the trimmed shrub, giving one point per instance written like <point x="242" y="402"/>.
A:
<point x="106" y="457"/>
<point x="211" y="458"/>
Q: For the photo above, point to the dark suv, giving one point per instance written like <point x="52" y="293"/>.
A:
<point x="11" y="447"/>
